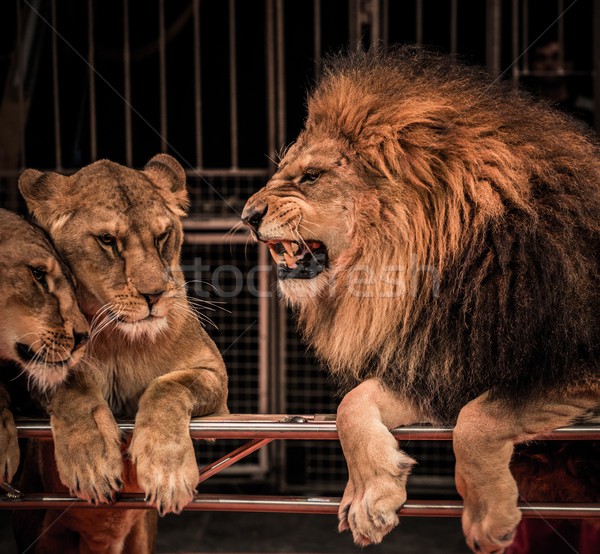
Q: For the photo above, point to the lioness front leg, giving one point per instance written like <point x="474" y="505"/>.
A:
<point x="484" y="437"/>
<point x="161" y="447"/>
<point x="9" y="445"/>
<point x="377" y="468"/>
<point x="87" y="441"/>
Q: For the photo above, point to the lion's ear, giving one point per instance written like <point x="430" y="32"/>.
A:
<point x="166" y="173"/>
<point x="46" y="198"/>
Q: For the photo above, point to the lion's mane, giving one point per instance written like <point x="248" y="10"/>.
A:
<point x="493" y="200"/>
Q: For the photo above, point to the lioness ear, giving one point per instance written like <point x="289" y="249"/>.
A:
<point x="166" y="173"/>
<point x="45" y="196"/>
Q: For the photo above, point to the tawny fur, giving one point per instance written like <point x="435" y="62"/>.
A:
<point x="484" y="204"/>
<point x="120" y="232"/>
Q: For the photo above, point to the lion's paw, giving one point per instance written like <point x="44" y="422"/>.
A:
<point x="491" y="533"/>
<point x="9" y="446"/>
<point x="166" y="469"/>
<point x="88" y="455"/>
<point x="371" y="511"/>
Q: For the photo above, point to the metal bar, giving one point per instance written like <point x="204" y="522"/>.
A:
<point x="297" y="505"/>
<point x="197" y="85"/>
<point x="127" y="85"/>
<point x="280" y="33"/>
<point x="317" y="35"/>
<point x="20" y="78"/>
<point x="270" y="73"/>
<point x="301" y="427"/>
<point x="375" y="21"/>
<point x="55" y="89"/>
<point x="419" y="22"/>
<point x="561" y="36"/>
<point x="231" y="458"/>
<point x="92" y="82"/>
<point x="515" y="41"/>
<point x="596" y="57"/>
<point x="233" y="108"/>
<point x="225" y="172"/>
<point x="525" y="34"/>
<point x="454" y="27"/>
<point x="163" y="75"/>
<point x="492" y="49"/>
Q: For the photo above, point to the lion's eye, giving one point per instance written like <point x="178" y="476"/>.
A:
<point x="39" y="274"/>
<point x="310" y="177"/>
<point x="163" y="236"/>
<point x="107" y="239"/>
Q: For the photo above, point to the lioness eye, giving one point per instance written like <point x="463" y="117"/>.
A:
<point x="38" y="273"/>
<point x="310" y="177"/>
<point x="107" y="239"/>
<point x="163" y="236"/>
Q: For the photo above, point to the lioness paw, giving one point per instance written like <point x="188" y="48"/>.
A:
<point x="9" y="446"/>
<point x="166" y="469"/>
<point x="493" y="532"/>
<point x="88" y="455"/>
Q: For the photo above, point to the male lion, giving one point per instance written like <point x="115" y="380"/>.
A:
<point x="439" y="237"/>
<point x="42" y="330"/>
<point x="120" y="232"/>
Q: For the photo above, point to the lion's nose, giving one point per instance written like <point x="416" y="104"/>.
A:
<point x="152" y="299"/>
<point x="253" y="215"/>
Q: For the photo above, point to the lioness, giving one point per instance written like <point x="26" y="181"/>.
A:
<point x="120" y="232"/>
<point x="439" y="237"/>
<point x="42" y="330"/>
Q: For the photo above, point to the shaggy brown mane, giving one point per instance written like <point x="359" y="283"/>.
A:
<point x="490" y="203"/>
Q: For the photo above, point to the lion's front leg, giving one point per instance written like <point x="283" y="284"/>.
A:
<point x="377" y="468"/>
<point x="161" y="447"/>
<point x="484" y="437"/>
<point x="9" y="445"/>
<point x="87" y="441"/>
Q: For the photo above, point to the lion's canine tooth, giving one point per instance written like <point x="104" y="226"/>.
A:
<point x="273" y="253"/>
<point x="290" y="261"/>
<point x="287" y="244"/>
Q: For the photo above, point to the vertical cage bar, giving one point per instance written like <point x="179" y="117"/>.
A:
<point x="197" y="86"/>
<point x="20" y="78"/>
<point x="270" y="72"/>
<point x="317" y="35"/>
<point x="264" y="325"/>
<point x="280" y="32"/>
<point x="515" y="41"/>
<point x="233" y="107"/>
<point x="454" y="27"/>
<point x="419" y="22"/>
<point x="596" y="68"/>
<point x="127" y="85"/>
<point x="561" y="36"/>
<point x="493" y="18"/>
<point x="163" y="75"/>
<point x="92" y="82"/>
<point x="525" y="35"/>
<point x="375" y="21"/>
<point x="55" y="89"/>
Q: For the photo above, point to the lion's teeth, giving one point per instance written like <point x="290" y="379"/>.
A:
<point x="290" y="261"/>
<point x="273" y="253"/>
<point x="288" y="247"/>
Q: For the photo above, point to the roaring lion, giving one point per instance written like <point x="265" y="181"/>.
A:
<point x="42" y="331"/>
<point x="119" y="230"/>
<point x="439" y="238"/>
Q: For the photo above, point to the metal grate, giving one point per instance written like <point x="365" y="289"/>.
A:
<point x="221" y="85"/>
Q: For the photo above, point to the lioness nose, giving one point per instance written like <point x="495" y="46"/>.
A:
<point x="79" y="339"/>
<point x="253" y="215"/>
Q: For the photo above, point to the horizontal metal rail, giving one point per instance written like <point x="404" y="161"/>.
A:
<point x="300" y="427"/>
<point x="297" y="505"/>
<point x="260" y="430"/>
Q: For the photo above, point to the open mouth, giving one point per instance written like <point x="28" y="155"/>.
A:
<point x="297" y="260"/>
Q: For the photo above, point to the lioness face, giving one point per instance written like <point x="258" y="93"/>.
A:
<point x="121" y="238"/>
<point x="305" y="213"/>
<point x="42" y="328"/>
